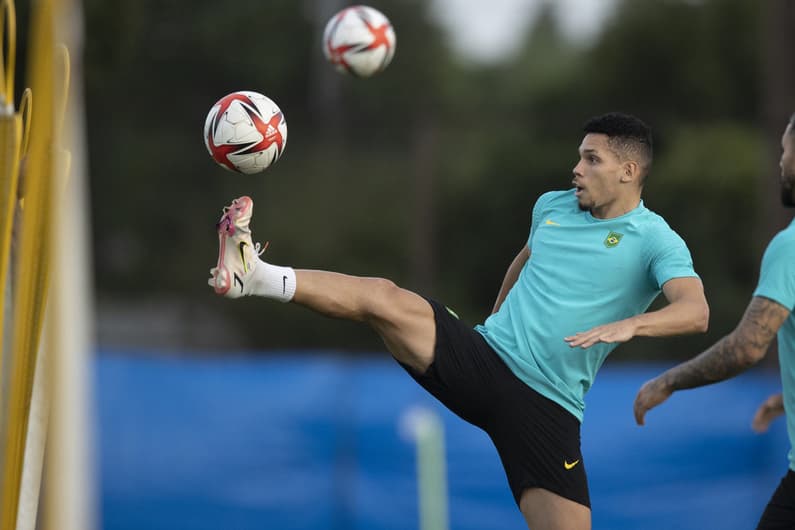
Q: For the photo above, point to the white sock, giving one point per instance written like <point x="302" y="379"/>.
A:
<point x="272" y="281"/>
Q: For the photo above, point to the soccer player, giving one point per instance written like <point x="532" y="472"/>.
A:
<point x="594" y="260"/>
<point x="769" y="313"/>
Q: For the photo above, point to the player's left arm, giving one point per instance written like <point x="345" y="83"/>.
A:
<point x="730" y="356"/>
<point x="686" y="312"/>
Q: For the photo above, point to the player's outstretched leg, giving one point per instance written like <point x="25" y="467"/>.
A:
<point x="403" y="319"/>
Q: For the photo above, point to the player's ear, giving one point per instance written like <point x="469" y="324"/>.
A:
<point x="630" y="171"/>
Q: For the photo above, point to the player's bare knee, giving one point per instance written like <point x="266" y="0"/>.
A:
<point x="382" y="299"/>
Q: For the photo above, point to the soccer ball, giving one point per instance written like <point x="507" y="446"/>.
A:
<point x="245" y="132"/>
<point x="359" y="40"/>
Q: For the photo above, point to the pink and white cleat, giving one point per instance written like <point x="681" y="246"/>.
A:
<point x="237" y="254"/>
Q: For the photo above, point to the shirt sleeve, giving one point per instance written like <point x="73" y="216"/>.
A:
<point x="538" y="213"/>
<point x="777" y="274"/>
<point x="670" y="258"/>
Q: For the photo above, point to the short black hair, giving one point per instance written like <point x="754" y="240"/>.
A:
<point x="627" y="135"/>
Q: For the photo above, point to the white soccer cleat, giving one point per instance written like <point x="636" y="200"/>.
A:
<point x="237" y="254"/>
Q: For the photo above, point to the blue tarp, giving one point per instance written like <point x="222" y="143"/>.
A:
<point x="306" y="441"/>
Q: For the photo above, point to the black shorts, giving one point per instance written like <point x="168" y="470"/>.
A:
<point x="538" y="440"/>
<point x="780" y="511"/>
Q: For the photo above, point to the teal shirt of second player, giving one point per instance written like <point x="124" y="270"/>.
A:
<point x="583" y="272"/>
<point x="777" y="282"/>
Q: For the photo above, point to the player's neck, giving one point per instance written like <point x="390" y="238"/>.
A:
<point x="616" y="208"/>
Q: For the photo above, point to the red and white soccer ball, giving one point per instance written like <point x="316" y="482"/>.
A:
<point x="245" y="132"/>
<point x="359" y="40"/>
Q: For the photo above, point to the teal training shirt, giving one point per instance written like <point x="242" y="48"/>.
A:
<point x="582" y="272"/>
<point x="777" y="282"/>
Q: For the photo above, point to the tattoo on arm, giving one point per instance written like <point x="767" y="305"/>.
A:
<point x="736" y="352"/>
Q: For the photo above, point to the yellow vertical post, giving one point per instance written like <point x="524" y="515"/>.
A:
<point x="8" y="13"/>
<point x="32" y="260"/>
<point x="10" y="140"/>
<point x="10" y="125"/>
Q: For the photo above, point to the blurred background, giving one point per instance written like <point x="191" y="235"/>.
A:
<point x="425" y="174"/>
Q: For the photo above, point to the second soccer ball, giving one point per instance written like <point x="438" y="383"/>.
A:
<point x="359" y="40"/>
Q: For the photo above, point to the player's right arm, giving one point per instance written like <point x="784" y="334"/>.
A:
<point x="770" y="409"/>
<point x="511" y="276"/>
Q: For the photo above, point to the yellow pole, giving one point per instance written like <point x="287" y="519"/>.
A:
<point x="33" y="257"/>
<point x="9" y="148"/>
<point x="10" y="125"/>
<point x="8" y="11"/>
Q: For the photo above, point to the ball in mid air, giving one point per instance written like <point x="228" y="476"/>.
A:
<point x="245" y="132"/>
<point x="359" y="40"/>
